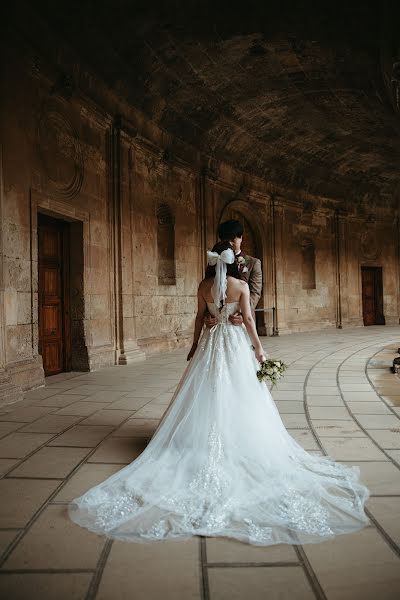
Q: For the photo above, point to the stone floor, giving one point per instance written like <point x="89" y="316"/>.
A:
<point x="338" y="398"/>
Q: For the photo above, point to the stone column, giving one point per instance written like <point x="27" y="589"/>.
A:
<point x="116" y="239"/>
<point x="132" y="353"/>
<point x="8" y="392"/>
<point x="2" y="314"/>
<point x="202" y="220"/>
<point x="338" y="261"/>
<point x="126" y="351"/>
<point x="276" y="247"/>
<point x="398" y="262"/>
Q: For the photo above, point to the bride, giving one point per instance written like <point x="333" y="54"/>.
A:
<point x="221" y="462"/>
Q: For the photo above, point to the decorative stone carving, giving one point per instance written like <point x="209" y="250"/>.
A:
<point x="166" y="245"/>
<point x="369" y="245"/>
<point x="61" y="153"/>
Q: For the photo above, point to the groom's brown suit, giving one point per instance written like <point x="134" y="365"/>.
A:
<point x="253" y="276"/>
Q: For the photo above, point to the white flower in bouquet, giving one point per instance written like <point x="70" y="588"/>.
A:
<point x="271" y="370"/>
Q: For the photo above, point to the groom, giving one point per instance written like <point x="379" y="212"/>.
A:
<point x="249" y="268"/>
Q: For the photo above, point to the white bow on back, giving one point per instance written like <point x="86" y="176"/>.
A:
<point x="220" y="261"/>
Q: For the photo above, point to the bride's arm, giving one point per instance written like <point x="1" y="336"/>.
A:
<point x="249" y="322"/>
<point x="198" y="326"/>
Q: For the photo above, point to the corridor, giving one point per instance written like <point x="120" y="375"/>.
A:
<point x="338" y="398"/>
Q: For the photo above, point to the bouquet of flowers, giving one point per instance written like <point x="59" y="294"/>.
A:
<point x="271" y="370"/>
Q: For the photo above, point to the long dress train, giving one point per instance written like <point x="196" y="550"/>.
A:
<point x="221" y="463"/>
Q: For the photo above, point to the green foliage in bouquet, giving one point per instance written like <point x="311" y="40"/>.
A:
<point x="271" y="370"/>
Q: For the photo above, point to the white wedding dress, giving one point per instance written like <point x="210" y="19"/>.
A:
<point x="221" y="463"/>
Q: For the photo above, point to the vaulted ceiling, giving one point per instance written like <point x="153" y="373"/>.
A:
<point x="295" y="93"/>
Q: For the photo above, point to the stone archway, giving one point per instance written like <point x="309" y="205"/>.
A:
<point x="253" y="244"/>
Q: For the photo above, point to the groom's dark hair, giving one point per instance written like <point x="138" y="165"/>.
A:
<point x="229" y="230"/>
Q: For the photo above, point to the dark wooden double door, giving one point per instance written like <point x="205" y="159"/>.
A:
<point x="54" y="317"/>
<point x="372" y="295"/>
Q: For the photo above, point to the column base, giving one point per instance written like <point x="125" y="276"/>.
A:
<point x="19" y="377"/>
<point x="132" y="354"/>
<point x="9" y="393"/>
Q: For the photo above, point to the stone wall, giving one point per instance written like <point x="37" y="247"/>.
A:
<point x="163" y="313"/>
<point x="73" y="160"/>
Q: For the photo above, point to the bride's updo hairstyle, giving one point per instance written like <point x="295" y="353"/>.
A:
<point x="231" y="270"/>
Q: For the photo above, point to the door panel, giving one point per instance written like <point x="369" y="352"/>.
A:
<point x="372" y="295"/>
<point x="52" y="293"/>
<point x="52" y="357"/>
<point x="368" y="296"/>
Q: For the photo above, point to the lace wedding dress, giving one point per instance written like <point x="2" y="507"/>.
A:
<point x="221" y="463"/>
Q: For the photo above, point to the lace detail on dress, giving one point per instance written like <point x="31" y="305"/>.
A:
<point x="114" y="509"/>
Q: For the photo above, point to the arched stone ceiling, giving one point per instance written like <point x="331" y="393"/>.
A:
<point x="294" y="94"/>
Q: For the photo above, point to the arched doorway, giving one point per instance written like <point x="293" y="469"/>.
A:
<point x="252" y="245"/>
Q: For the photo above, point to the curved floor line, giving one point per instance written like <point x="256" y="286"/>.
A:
<point x="390" y="542"/>
<point x="305" y="403"/>
<point x="363" y="429"/>
<point x="373" y="386"/>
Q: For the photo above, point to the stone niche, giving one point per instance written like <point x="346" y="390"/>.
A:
<point x="307" y="248"/>
<point x="166" y="246"/>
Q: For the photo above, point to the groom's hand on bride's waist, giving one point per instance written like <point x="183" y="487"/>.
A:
<point x="236" y="319"/>
<point x="210" y="321"/>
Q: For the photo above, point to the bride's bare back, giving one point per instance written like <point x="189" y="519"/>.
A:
<point x="234" y="289"/>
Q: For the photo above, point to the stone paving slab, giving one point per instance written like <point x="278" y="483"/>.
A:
<point x="42" y="548"/>
<point x="87" y="476"/>
<point x="46" y="586"/>
<point x="20" y="499"/>
<point x="381" y="477"/>
<point x="50" y="463"/>
<point x="251" y="582"/>
<point x="18" y="445"/>
<point x="338" y="398"/>
<point x="357" y="566"/>
<point x="223" y="551"/>
<point x="386" y="512"/>
<point x="129" y="572"/>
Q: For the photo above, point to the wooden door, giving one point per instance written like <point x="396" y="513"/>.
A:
<point x="372" y="296"/>
<point x="54" y="330"/>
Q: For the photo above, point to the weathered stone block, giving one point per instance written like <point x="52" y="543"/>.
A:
<point x="11" y="306"/>
<point x="19" y="342"/>
<point x="25" y="308"/>
<point x="16" y="241"/>
<point x="17" y="273"/>
<point x="100" y="332"/>
<point x="99" y="306"/>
